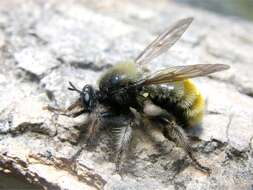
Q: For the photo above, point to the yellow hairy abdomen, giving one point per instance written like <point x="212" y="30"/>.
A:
<point x="194" y="102"/>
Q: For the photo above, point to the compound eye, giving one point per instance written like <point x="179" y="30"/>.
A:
<point x="87" y="97"/>
<point x="86" y="89"/>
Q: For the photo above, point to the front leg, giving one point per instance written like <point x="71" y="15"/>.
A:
<point x="121" y="128"/>
<point x="93" y="129"/>
<point x="74" y="110"/>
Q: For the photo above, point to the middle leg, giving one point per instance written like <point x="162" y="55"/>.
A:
<point x="122" y="132"/>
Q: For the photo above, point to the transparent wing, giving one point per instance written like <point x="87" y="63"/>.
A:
<point x="179" y="73"/>
<point x="164" y="41"/>
<point x="173" y="74"/>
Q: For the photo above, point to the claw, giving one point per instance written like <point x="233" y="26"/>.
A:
<point x="76" y="155"/>
<point x="91" y="143"/>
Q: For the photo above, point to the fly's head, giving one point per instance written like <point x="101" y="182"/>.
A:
<point x="87" y="96"/>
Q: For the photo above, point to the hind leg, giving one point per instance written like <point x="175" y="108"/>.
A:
<point x="172" y="131"/>
<point x="176" y="133"/>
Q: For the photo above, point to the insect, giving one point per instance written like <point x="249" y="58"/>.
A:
<point x="128" y="95"/>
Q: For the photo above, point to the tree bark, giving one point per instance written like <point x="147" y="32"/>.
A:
<point x="43" y="45"/>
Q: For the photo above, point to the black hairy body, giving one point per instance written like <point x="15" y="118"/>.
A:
<point x="175" y="98"/>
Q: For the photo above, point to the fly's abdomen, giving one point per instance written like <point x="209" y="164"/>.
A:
<point x="182" y="99"/>
<point x="193" y="103"/>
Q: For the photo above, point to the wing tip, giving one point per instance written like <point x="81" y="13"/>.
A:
<point x="185" y="22"/>
<point x="188" y="20"/>
<point x="223" y="67"/>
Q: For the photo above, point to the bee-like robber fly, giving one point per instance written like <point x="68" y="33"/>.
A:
<point x="130" y="95"/>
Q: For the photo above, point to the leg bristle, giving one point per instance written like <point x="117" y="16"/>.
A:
<point x="176" y="133"/>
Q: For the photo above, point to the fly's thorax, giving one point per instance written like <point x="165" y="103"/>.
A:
<point x="120" y="75"/>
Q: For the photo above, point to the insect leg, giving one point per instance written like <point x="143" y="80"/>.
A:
<point x="92" y="131"/>
<point x="122" y="130"/>
<point x="176" y="133"/>
<point x="123" y="136"/>
<point x="68" y="111"/>
<point x="172" y="131"/>
<point x="76" y="114"/>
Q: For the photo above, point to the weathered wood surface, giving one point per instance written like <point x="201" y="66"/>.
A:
<point x="43" y="45"/>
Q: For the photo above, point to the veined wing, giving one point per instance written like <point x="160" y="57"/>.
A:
<point x="179" y="73"/>
<point x="176" y="73"/>
<point x="164" y="41"/>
